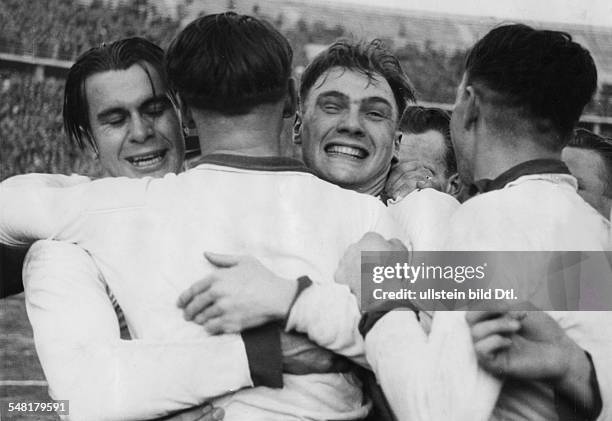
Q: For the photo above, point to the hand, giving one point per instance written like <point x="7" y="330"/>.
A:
<point x="242" y="293"/>
<point x="204" y="412"/>
<point x="521" y="344"/>
<point x="301" y="356"/>
<point x="408" y="176"/>
<point x="349" y="268"/>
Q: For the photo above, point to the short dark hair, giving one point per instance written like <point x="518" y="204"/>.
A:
<point x="369" y="58"/>
<point x="418" y="120"/>
<point x="229" y="63"/>
<point x="586" y="139"/>
<point x="118" y="55"/>
<point x="541" y="72"/>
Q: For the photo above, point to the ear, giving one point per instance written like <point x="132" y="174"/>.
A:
<point x="290" y="106"/>
<point x="397" y="141"/>
<point x="472" y="107"/>
<point x="297" y="129"/>
<point x="454" y="186"/>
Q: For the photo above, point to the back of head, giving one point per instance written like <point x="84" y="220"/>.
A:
<point x="418" y="120"/>
<point x="370" y="59"/>
<point x="229" y="63"/>
<point x="119" y="55"/>
<point x="542" y="75"/>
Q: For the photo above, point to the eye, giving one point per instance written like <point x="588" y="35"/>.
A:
<point x="115" y="119"/>
<point x="331" y="108"/>
<point x="156" y="108"/>
<point x="376" y="115"/>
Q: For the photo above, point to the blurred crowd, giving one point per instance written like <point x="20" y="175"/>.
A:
<point x="31" y="135"/>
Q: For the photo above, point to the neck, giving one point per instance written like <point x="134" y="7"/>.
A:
<point x="374" y="188"/>
<point x="498" y="156"/>
<point x="256" y="133"/>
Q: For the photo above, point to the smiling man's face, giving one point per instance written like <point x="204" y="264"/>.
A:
<point x="348" y="131"/>
<point x="133" y="123"/>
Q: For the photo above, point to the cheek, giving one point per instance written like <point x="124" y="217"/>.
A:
<point x="384" y="138"/>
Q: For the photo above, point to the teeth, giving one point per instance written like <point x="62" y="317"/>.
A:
<point x="347" y="150"/>
<point x="147" y="160"/>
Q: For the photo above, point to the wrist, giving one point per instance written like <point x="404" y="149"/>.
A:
<point x="576" y="365"/>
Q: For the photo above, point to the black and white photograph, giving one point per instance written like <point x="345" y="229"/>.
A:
<point x="268" y="210"/>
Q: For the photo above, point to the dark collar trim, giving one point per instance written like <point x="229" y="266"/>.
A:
<point x="257" y="163"/>
<point x="536" y="166"/>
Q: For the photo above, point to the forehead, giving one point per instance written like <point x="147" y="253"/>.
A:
<point x="353" y="84"/>
<point x="428" y="145"/>
<point x="122" y="88"/>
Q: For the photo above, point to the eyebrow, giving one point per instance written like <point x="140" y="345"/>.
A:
<point x="372" y="100"/>
<point x="377" y="100"/>
<point x="333" y="94"/>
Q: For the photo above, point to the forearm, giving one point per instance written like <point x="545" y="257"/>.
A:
<point x="427" y="378"/>
<point x="77" y="340"/>
<point x="336" y="327"/>
<point x="138" y="379"/>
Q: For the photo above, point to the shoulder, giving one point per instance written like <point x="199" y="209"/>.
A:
<point x="427" y="200"/>
<point x="45" y="180"/>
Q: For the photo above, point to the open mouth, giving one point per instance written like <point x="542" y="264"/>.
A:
<point x="352" y="152"/>
<point x="148" y="160"/>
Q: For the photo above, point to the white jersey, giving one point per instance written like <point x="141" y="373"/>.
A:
<point x="541" y="212"/>
<point x="147" y="237"/>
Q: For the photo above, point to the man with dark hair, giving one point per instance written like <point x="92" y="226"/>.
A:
<point x="119" y="92"/>
<point x="170" y="221"/>
<point x="117" y="105"/>
<point x="520" y="98"/>
<point x="426" y="142"/>
<point x="589" y="159"/>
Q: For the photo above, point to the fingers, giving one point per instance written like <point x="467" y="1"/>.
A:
<point x="499" y="326"/>
<point x="398" y="171"/>
<point x="223" y="260"/>
<point x="195" y="289"/>
<point x="217" y="326"/>
<point x="198" y="304"/>
<point x="210" y="312"/>
<point x="489" y="353"/>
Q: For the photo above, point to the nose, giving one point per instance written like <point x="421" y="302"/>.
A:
<point x="350" y="123"/>
<point x="141" y="129"/>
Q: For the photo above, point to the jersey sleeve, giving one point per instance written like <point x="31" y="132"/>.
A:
<point x="36" y="206"/>
<point x="104" y="377"/>
<point x="424" y="216"/>
<point x="430" y="377"/>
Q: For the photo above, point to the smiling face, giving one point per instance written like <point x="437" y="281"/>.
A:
<point x="348" y="131"/>
<point x="133" y="123"/>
